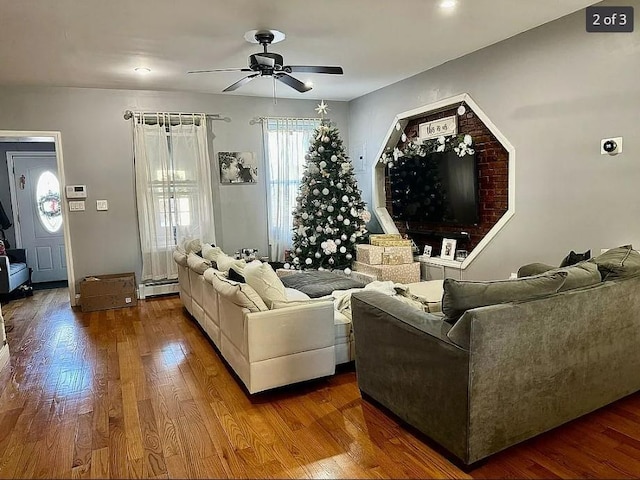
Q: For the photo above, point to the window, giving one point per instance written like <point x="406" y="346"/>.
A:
<point x="287" y="142"/>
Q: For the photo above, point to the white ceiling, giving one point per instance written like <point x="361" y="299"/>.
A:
<point x="98" y="43"/>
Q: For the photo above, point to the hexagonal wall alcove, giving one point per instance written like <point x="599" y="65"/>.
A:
<point x="495" y="158"/>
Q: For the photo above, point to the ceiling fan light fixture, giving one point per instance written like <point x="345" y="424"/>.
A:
<point x="252" y="35"/>
<point x="308" y="83"/>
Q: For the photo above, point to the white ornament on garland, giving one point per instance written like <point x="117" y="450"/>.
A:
<point x="347" y="271"/>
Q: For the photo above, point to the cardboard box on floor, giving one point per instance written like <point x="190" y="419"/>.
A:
<point x="103" y="292"/>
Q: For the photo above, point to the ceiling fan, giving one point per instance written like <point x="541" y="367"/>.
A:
<point x="269" y="64"/>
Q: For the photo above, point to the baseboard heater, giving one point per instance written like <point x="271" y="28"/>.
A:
<point x="146" y="290"/>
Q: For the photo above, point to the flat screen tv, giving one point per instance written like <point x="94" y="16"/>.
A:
<point x="439" y="188"/>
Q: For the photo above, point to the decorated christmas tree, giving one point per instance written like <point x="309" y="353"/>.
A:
<point x="330" y="217"/>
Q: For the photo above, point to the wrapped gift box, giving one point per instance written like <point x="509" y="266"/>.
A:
<point x="384" y="236"/>
<point x="405" y="273"/>
<point x="383" y="242"/>
<point x="389" y="258"/>
<point x="372" y="254"/>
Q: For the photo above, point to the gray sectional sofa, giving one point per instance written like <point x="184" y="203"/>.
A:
<point x="480" y="379"/>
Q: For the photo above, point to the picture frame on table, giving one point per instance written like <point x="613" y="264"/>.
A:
<point x="448" y="248"/>
<point x="427" y="251"/>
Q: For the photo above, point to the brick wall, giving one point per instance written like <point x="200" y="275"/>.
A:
<point x="493" y="185"/>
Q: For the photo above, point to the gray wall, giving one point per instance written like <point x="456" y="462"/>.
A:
<point x="97" y="148"/>
<point x="5" y="193"/>
<point x="554" y="92"/>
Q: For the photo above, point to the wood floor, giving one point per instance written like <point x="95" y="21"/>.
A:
<point x="140" y="392"/>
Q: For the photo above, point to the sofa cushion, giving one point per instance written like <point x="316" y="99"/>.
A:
<point x="191" y="245"/>
<point x="531" y="269"/>
<point x="197" y="263"/>
<point x="319" y="284"/>
<point x="294" y="295"/>
<point x="180" y="257"/>
<point x="264" y="280"/>
<point x="237" y="293"/>
<point x="618" y="262"/>
<point x="581" y="274"/>
<point x="461" y="295"/>
<point x="572" y="258"/>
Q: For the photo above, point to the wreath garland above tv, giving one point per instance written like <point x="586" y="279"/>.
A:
<point x="435" y="181"/>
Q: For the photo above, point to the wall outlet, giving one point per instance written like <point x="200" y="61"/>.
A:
<point x="102" y="205"/>
<point x="76" y="206"/>
<point x="513" y="276"/>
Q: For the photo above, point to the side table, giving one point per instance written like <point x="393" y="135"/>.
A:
<point x="444" y="267"/>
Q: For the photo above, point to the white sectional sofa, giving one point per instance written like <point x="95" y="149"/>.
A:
<point x="267" y="346"/>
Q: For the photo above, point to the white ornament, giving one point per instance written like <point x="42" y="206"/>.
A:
<point x="323" y="245"/>
<point x="316" y="192"/>
<point x="404" y="137"/>
<point x="312" y="240"/>
<point x="339" y="185"/>
<point x="305" y="215"/>
<point x="307" y="157"/>
<point x="298" y="250"/>
<point x="321" y="149"/>
<point x="338" y="241"/>
<point x="334" y="158"/>
<point x="340" y="218"/>
<point x="349" y="256"/>
<point x="317" y="255"/>
<point x="461" y="110"/>
<point x="344" y="198"/>
<point x="296" y="260"/>
<point x="343" y="250"/>
<point x="343" y="237"/>
<point x="308" y="261"/>
<point x="347" y="221"/>
<point x="318" y="229"/>
<point x="325" y="191"/>
<point x="287" y="266"/>
<point x="334" y="144"/>
<point x="323" y="164"/>
<point x="343" y="209"/>
<point x="347" y="271"/>
<point x="398" y="127"/>
<point x="354" y="212"/>
<point x="331" y="261"/>
<point x="325" y="139"/>
<point x="320" y="269"/>
<point x="330" y="208"/>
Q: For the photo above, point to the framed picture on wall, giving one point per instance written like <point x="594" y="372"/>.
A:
<point x="448" y="248"/>
<point x="238" y="167"/>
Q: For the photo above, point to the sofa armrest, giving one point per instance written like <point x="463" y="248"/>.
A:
<point x="17" y="255"/>
<point x="405" y="361"/>
<point x="289" y="330"/>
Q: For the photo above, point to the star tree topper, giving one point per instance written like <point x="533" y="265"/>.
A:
<point x="322" y="109"/>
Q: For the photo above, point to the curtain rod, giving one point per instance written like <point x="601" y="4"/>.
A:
<point x="128" y="114"/>
<point x="255" y="120"/>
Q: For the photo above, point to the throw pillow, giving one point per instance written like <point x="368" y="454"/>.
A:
<point x="533" y="269"/>
<point x="264" y="280"/>
<point x="225" y="262"/>
<point x="460" y="296"/>
<point x="582" y="274"/>
<point x="197" y="263"/>
<point x="574" y="258"/>
<point x="618" y="262"/>
<point x="210" y="252"/>
<point x="237" y="293"/>
<point x="235" y="275"/>
<point x="180" y="257"/>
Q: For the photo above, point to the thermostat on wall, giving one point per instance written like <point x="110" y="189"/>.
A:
<point x="76" y="191"/>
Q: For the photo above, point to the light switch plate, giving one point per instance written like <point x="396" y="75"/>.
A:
<point x="76" y="205"/>
<point x="102" y="205"/>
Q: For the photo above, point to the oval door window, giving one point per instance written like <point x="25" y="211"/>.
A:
<point x="48" y="201"/>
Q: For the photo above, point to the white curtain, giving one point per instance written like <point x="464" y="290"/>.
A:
<point x="173" y="189"/>
<point x="287" y="141"/>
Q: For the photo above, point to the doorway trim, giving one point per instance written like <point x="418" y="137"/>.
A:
<point x="57" y="139"/>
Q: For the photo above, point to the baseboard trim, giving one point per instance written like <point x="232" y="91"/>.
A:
<point x="146" y="291"/>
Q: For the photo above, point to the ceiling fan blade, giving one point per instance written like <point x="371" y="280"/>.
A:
<point x="222" y="70"/>
<point x="240" y="83"/>
<point x="292" y="82"/>
<point x="313" y="69"/>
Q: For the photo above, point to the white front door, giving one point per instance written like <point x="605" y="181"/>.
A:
<point x="39" y="199"/>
